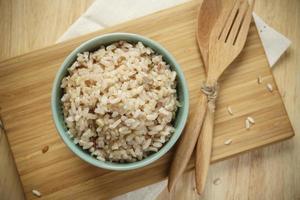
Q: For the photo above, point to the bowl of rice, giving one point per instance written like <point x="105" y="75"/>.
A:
<point x="120" y="101"/>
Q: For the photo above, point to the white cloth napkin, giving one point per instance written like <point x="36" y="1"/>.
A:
<point x="103" y="13"/>
<point x="274" y="43"/>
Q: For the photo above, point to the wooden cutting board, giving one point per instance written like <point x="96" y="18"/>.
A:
<point x="25" y="86"/>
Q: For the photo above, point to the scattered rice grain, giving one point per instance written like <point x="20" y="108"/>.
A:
<point x="247" y="124"/>
<point x="45" y="149"/>
<point x="270" y="87"/>
<point x="217" y="181"/>
<point x="229" y="110"/>
<point x="251" y="120"/>
<point x="36" y="193"/>
<point x="228" y="142"/>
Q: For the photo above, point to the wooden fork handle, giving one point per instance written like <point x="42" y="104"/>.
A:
<point x="203" y="151"/>
<point x="187" y="142"/>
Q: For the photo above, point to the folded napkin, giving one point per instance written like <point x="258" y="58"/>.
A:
<point x="103" y="13"/>
<point x="274" y="43"/>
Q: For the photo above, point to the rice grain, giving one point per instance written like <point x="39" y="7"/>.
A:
<point x="119" y="102"/>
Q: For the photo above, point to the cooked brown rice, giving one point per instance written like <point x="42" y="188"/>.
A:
<point x="119" y="101"/>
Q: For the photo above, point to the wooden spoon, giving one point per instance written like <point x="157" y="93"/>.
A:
<point x="207" y="15"/>
<point x="226" y="41"/>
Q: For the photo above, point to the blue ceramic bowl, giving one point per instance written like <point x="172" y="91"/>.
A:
<point x="91" y="45"/>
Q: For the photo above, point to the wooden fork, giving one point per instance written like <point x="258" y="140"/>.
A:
<point x="207" y="16"/>
<point x="226" y="41"/>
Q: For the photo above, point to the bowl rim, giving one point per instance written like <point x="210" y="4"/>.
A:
<point x="77" y="150"/>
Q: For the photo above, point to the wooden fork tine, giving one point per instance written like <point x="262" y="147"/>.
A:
<point x="227" y="26"/>
<point x="238" y="22"/>
<point x="221" y="21"/>
<point x="242" y="35"/>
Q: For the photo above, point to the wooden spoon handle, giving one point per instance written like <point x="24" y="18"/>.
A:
<point x="203" y="151"/>
<point x="187" y="142"/>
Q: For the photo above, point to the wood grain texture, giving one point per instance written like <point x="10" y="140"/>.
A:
<point x="227" y="40"/>
<point x="32" y="24"/>
<point x="256" y="174"/>
<point x="239" y="176"/>
<point x="24" y="27"/>
<point x="187" y="142"/>
<point x="225" y="44"/>
<point x="10" y="183"/>
<point x="207" y="16"/>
